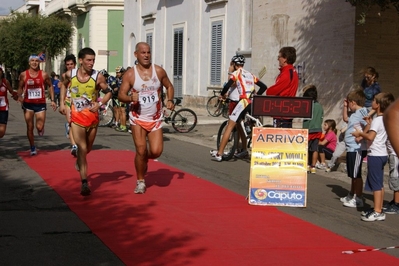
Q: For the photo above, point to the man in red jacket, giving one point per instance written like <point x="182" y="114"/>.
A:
<point x="286" y="82"/>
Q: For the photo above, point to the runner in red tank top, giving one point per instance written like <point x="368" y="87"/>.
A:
<point x="4" y="87"/>
<point x="31" y="94"/>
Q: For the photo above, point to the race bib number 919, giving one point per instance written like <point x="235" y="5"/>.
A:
<point x="148" y="98"/>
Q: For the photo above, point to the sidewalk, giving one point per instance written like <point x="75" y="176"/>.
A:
<point x="206" y="132"/>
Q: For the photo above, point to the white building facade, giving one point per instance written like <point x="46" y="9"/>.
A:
<point x="194" y="41"/>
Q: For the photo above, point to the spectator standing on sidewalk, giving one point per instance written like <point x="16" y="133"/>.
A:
<point x="314" y="127"/>
<point x="5" y="87"/>
<point x="339" y="149"/>
<point x="55" y="79"/>
<point x="393" y="206"/>
<point x="356" y="147"/>
<point x="371" y="86"/>
<point x="32" y="96"/>
<point x="391" y="118"/>
<point x="286" y="82"/>
<point x="377" y="155"/>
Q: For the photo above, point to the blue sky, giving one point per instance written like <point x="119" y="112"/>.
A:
<point x="7" y="4"/>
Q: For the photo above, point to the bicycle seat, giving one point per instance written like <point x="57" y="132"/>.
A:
<point x="178" y="100"/>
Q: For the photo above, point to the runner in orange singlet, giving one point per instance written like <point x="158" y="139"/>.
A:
<point x="142" y="87"/>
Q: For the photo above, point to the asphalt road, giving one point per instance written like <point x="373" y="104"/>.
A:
<point x="37" y="228"/>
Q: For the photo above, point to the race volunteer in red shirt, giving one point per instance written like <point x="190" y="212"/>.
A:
<point x="286" y="83"/>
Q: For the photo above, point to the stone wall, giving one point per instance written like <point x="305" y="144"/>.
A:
<point x="323" y="32"/>
<point x="376" y="45"/>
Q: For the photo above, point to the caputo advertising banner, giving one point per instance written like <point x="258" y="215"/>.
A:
<point x="278" y="175"/>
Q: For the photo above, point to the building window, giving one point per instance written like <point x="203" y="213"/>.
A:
<point x="216" y="52"/>
<point x="178" y="62"/>
<point x="149" y="39"/>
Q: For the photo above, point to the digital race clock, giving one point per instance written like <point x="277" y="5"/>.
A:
<point x="277" y="106"/>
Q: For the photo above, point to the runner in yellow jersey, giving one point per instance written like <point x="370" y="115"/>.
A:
<point x="85" y="84"/>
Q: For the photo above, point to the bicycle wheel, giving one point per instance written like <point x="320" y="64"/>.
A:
<point x="106" y="117"/>
<point x="232" y="143"/>
<point x="184" y="120"/>
<point x="214" y="106"/>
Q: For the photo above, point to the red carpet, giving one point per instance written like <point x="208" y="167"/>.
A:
<point x="185" y="220"/>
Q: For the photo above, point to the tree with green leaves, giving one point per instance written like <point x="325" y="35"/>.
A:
<point x="23" y="34"/>
<point x="366" y="5"/>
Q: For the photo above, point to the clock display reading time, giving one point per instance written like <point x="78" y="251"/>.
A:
<point x="277" y="106"/>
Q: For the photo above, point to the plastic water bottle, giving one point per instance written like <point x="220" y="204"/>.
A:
<point x="247" y="128"/>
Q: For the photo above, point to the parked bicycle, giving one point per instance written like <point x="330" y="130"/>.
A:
<point x="216" y="106"/>
<point x="183" y="120"/>
<point x="106" y="114"/>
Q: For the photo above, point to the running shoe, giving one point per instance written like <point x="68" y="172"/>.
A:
<point x="33" y="151"/>
<point x="67" y="130"/>
<point x="74" y="150"/>
<point x="313" y="170"/>
<point x="241" y="155"/>
<point x="388" y="205"/>
<point x="374" y="216"/>
<point x="120" y="129"/>
<point x="346" y="198"/>
<point x="367" y="212"/>
<point x="41" y="132"/>
<point x="85" y="190"/>
<point x="321" y="166"/>
<point x="213" y="153"/>
<point x="392" y="209"/>
<point x="354" y="203"/>
<point x="217" y="158"/>
<point x="328" y="169"/>
<point x="140" y="188"/>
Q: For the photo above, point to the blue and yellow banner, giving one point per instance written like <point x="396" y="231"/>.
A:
<point x="278" y="175"/>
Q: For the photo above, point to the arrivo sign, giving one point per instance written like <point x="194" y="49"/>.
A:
<point x="277" y="106"/>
